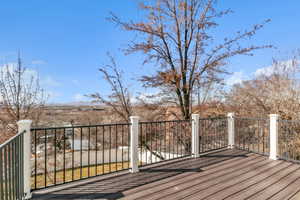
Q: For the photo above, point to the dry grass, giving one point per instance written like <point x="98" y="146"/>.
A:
<point x="77" y="174"/>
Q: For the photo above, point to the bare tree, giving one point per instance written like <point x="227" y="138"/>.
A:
<point x="274" y="91"/>
<point x="21" y="96"/>
<point x="120" y="98"/>
<point x="177" y="35"/>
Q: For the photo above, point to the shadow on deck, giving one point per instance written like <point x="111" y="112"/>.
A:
<point x="226" y="174"/>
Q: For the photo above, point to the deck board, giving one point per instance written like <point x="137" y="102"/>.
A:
<point x="226" y="174"/>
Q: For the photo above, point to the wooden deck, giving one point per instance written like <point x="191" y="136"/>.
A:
<point x="227" y="174"/>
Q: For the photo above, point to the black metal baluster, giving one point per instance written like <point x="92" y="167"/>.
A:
<point x="165" y="139"/>
<point x="213" y="125"/>
<point x="159" y="137"/>
<point x="216" y="146"/>
<point x="181" y="136"/>
<point x="17" y="155"/>
<point x="219" y="132"/>
<point x="64" y="137"/>
<point x="116" y="159"/>
<point x="264" y="147"/>
<point x="151" y="150"/>
<point x="209" y="134"/>
<point x="208" y="124"/>
<point x="177" y="138"/>
<point x="103" y="148"/>
<point x="205" y="135"/>
<point x="1" y="175"/>
<point x="238" y="132"/>
<point x="22" y="165"/>
<point x="212" y="138"/>
<point x="128" y="142"/>
<point x="35" y="160"/>
<point x="89" y="143"/>
<point x="122" y="146"/>
<point x="259" y="138"/>
<point x="216" y="142"/>
<point x="55" y="159"/>
<point x="96" y="153"/>
<point x="109" y="148"/>
<point x="155" y="136"/>
<point x="73" y="151"/>
<point x="13" y="161"/>
<point x="5" y="173"/>
<point x="141" y="144"/>
<point x="169" y="126"/>
<point x="146" y="140"/>
<point x="45" y="161"/>
<point x="81" y="153"/>
<point x="293" y="142"/>
<point x="9" y="171"/>
<point x="223" y="135"/>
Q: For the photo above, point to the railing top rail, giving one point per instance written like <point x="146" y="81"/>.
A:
<point x="212" y="118"/>
<point x="11" y="139"/>
<point x="78" y="126"/>
<point x="251" y="118"/>
<point x="288" y="121"/>
<point x="163" y="121"/>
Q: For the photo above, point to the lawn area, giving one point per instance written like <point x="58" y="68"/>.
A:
<point x="76" y="174"/>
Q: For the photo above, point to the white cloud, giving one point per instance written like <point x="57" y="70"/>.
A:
<point x="79" y="97"/>
<point x="28" y="73"/>
<point x="38" y="62"/>
<point x="235" y="78"/>
<point x="47" y="81"/>
<point x="279" y="67"/>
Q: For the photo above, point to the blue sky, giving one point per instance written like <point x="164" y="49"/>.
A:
<point x="66" y="40"/>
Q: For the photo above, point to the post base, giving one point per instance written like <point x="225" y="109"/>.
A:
<point x="134" y="170"/>
<point x="273" y="158"/>
<point x="28" y="195"/>
<point x="195" y="156"/>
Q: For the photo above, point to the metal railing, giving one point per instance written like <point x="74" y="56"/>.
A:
<point x="289" y="140"/>
<point x="66" y="154"/>
<point x="252" y="134"/>
<point x="164" y="140"/>
<point x="12" y="169"/>
<point x="213" y="134"/>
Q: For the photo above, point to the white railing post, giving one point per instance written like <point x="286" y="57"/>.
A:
<point x="195" y="135"/>
<point x="25" y="125"/>
<point x="230" y="118"/>
<point x="134" y="136"/>
<point x="273" y="136"/>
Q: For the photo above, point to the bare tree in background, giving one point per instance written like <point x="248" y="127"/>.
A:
<point x="275" y="90"/>
<point x="207" y="91"/>
<point x="21" y="96"/>
<point x="177" y="35"/>
<point x="120" y="98"/>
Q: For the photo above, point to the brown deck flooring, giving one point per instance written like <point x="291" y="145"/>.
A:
<point x="227" y="174"/>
